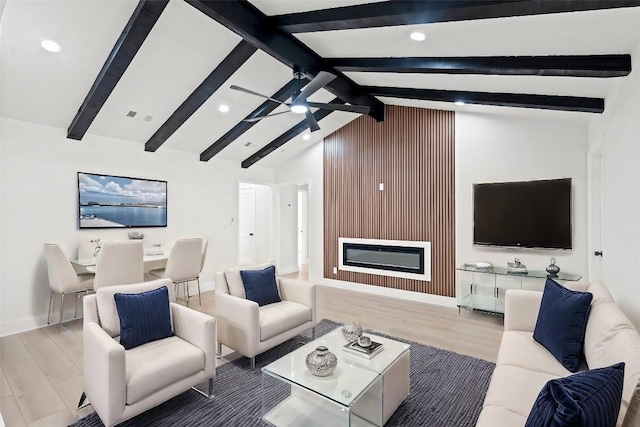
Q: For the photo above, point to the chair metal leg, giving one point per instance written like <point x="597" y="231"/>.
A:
<point x="199" y="296"/>
<point x="61" y="310"/>
<point x="75" y="313"/>
<point x="50" y="306"/>
<point x="209" y="393"/>
<point x="219" y="350"/>
<point x="186" y="289"/>
<point x="253" y="363"/>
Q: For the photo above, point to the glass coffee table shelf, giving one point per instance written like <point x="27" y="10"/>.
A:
<point x="360" y="392"/>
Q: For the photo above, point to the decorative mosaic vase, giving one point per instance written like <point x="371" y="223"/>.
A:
<point x="321" y="362"/>
<point x="352" y="331"/>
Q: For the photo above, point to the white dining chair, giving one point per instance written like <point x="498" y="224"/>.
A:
<point x="184" y="266"/>
<point x="119" y="263"/>
<point x="63" y="278"/>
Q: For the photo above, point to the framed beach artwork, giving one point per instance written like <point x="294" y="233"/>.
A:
<point x="107" y="201"/>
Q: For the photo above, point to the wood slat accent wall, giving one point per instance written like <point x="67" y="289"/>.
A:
<point x="413" y="153"/>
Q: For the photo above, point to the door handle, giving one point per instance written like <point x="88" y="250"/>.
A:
<point x="598" y="253"/>
<point x="250" y="234"/>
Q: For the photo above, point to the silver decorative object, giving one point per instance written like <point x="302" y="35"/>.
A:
<point x="553" y="269"/>
<point x="352" y="331"/>
<point x="321" y="362"/>
<point x="364" y="341"/>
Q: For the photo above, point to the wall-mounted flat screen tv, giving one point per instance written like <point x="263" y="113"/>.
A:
<point x="106" y="201"/>
<point x="528" y="214"/>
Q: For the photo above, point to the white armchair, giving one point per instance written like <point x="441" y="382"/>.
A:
<point x="249" y="329"/>
<point x="123" y="383"/>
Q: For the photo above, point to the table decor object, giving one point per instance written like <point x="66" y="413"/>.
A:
<point x="321" y="362"/>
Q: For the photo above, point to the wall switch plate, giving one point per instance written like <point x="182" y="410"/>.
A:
<point x="381" y="186"/>
<point x="335" y="270"/>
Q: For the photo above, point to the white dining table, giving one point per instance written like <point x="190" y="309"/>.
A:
<point x="150" y="262"/>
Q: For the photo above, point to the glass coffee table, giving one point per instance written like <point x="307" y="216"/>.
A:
<point x="360" y="392"/>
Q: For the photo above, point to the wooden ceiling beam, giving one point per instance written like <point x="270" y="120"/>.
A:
<point x="394" y="13"/>
<point x="248" y="22"/>
<point x="229" y="65"/>
<point x="569" y="66"/>
<point x="517" y="100"/>
<point x="142" y="20"/>
<point x="265" y="108"/>
<point x="287" y="136"/>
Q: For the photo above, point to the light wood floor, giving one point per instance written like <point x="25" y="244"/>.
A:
<point x="41" y="370"/>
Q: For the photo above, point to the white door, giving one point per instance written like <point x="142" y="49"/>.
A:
<point x="595" y="213"/>
<point x="247" y="225"/>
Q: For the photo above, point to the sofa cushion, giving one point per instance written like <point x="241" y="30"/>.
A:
<point x="144" y="317"/>
<point x="260" y="285"/>
<point x="109" y="320"/>
<point x="158" y="364"/>
<point x="518" y="348"/>
<point x="494" y="416"/>
<point x="600" y="293"/>
<point x="234" y="280"/>
<point x="589" y="398"/>
<point x="281" y="317"/>
<point x="561" y="323"/>
<point x="515" y="389"/>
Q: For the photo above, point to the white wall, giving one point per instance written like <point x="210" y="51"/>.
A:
<point x="39" y="204"/>
<point x="618" y="130"/>
<point x="288" y="217"/>
<point x="492" y="148"/>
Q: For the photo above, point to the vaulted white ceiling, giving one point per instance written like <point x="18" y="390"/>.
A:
<point x="185" y="46"/>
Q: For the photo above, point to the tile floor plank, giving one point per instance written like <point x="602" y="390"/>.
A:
<point x="52" y="361"/>
<point x="35" y="396"/>
<point x="11" y="412"/>
<point x="5" y="390"/>
<point x="12" y="349"/>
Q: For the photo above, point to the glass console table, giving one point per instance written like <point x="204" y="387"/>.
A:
<point x="484" y="289"/>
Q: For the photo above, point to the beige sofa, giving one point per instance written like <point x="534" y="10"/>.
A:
<point x="523" y="366"/>
<point x="250" y="329"/>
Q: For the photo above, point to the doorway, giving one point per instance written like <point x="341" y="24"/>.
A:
<point x="255" y="223"/>
<point x="303" y="225"/>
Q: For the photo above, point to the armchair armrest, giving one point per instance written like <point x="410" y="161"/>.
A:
<point x="301" y="292"/>
<point x="104" y="373"/>
<point x="198" y="329"/>
<point x="238" y="323"/>
<point x="521" y="310"/>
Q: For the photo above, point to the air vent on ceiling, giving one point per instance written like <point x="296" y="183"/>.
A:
<point x="247" y="144"/>
<point x="137" y="116"/>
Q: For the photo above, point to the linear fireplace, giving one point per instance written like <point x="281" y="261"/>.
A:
<point x="396" y="258"/>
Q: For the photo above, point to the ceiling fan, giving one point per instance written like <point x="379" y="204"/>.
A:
<point x="299" y="103"/>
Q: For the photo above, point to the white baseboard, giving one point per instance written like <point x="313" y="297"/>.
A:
<point x="387" y="292"/>
<point x="288" y="270"/>
<point x="36" y="322"/>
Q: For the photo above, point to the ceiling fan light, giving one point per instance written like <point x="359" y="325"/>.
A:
<point x="299" y="109"/>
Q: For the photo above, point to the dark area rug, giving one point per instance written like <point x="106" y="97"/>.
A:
<point x="447" y="389"/>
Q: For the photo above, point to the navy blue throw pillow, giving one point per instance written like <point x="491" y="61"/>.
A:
<point x="260" y="285"/>
<point x="144" y="317"/>
<point x="587" y="399"/>
<point x="562" y="321"/>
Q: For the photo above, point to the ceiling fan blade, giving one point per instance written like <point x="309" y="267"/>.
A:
<point x="255" y="119"/>
<point x="250" y="92"/>
<point x="313" y="124"/>
<point x="320" y="80"/>
<point x="362" y="109"/>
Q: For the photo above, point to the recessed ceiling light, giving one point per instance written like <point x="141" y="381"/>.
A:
<point x="459" y="102"/>
<point x="306" y="136"/>
<point x="300" y="109"/>
<point x="417" y="36"/>
<point x="50" y="45"/>
<point x="223" y="108"/>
